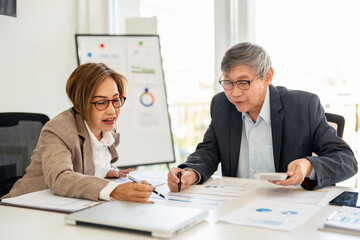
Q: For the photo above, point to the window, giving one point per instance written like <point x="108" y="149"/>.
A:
<point x="186" y="30"/>
<point x="314" y="46"/>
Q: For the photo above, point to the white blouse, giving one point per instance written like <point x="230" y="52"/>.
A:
<point x="102" y="158"/>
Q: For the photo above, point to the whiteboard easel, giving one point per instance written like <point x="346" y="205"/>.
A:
<point x="144" y="122"/>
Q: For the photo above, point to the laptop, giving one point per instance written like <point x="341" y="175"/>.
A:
<point x="162" y="221"/>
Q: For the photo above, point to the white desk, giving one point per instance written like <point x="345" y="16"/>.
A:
<point x="20" y="223"/>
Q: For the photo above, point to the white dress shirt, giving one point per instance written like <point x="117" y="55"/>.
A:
<point x="256" y="148"/>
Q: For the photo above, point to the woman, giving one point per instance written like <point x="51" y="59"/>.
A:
<point x="75" y="148"/>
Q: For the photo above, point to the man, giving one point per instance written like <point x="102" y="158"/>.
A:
<point x="257" y="127"/>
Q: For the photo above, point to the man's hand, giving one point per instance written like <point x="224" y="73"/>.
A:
<point x="188" y="177"/>
<point x="297" y="171"/>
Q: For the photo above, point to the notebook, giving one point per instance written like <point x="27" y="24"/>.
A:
<point x="343" y="220"/>
<point x="162" y="221"/>
<point x="46" y="200"/>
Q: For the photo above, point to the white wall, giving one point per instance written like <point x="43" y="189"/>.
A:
<point x="37" y="55"/>
<point x="37" y="49"/>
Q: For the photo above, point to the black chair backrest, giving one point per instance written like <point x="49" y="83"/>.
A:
<point x="19" y="133"/>
<point x="339" y="120"/>
<point x="10" y="119"/>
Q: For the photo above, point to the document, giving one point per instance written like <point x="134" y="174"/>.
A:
<point x="189" y="200"/>
<point x="344" y="219"/>
<point x="46" y="200"/>
<point x="319" y="197"/>
<point x="155" y="178"/>
<point x="185" y="198"/>
<point x="225" y="187"/>
<point x="271" y="214"/>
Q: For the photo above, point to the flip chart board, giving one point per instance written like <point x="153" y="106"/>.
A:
<point x="144" y="122"/>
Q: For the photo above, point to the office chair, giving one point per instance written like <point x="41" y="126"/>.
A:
<point x="336" y="121"/>
<point x="19" y="133"/>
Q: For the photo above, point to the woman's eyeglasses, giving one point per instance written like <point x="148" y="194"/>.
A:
<point x="101" y="105"/>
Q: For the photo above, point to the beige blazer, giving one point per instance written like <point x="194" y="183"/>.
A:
<point x="63" y="160"/>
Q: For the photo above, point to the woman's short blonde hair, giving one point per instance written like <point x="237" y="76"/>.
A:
<point x="84" y="81"/>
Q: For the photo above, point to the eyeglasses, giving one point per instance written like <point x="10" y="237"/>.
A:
<point x="242" y="84"/>
<point x="101" y="105"/>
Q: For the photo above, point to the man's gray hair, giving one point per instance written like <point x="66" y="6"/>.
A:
<point x="247" y="54"/>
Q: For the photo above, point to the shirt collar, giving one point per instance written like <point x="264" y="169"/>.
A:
<point x="264" y="112"/>
<point x="106" y="140"/>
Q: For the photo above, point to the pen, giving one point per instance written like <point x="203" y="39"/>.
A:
<point x="138" y="181"/>
<point x="179" y="184"/>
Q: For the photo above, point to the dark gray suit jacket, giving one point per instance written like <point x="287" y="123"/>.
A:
<point x="299" y="128"/>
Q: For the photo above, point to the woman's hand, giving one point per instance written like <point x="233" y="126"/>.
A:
<point x="115" y="173"/>
<point x="132" y="192"/>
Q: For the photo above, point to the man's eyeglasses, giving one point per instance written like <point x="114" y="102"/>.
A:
<point x="101" y="105"/>
<point x="242" y="84"/>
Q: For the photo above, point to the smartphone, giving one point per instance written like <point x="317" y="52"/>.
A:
<point x="275" y="176"/>
<point x="347" y="198"/>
